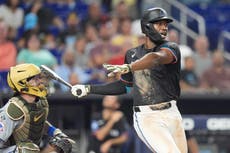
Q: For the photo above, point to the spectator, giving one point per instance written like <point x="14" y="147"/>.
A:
<point x="78" y="6"/>
<point x="31" y="18"/>
<point x="217" y="77"/>
<point x="136" y="28"/>
<point x="46" y="17"/>
<point x="81" y="53"/>
<point x="91" y="35"/>
<point x="31" y="22"/>
<point x="109" y="5"/>
<point x="202" y="55"/>
<point x="73" y="78"/>
<point x="26" y="4"/>
<point x="125" y="35"/>
<point x="33" y="53"/>
<point x="71" y="4"/>
<point x="115" y="22"/>
<point x="106" y="5"/>
<point x="141" y="39"/>
<point x="109" y="128"/>
<point x="97" y="71"/>
<point x="189" y="81"/>
<point x="21" y="43"/>
<point x="72" y="30"/>
<point x="102" y="52"/>
<point x="95" y="15"/>
<point x="193" y="147"/>
<point x="121" y="10"/>
<point x="118" y="58"/>
<point x="105" y="46"/>
<point x="13" y="15"/>
<point x="53" y="44"/>
<point x="69" y="72"/>
<point x="8" y="50"/>
<point x="41" y="18"/>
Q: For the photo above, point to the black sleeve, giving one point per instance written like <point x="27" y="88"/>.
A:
<point x="113" y="88"/>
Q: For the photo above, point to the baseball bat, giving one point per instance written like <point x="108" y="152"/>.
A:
<point x="50" y="73"/>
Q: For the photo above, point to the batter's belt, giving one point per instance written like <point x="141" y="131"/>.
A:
<point x="154" y="107"/>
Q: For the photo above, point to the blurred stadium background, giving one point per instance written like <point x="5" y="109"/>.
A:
<point x="61" y="25"/>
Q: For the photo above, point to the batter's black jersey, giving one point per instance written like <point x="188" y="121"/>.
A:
<point x="158" y="84"/>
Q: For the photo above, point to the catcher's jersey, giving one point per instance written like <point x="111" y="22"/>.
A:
<point x="9" y="126"/>
<point x="158" y="84"/>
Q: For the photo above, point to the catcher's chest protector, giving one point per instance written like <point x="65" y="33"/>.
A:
<point x="34" y="116"/>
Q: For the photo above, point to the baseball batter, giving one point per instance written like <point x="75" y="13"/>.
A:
<point x="153" y="70"/>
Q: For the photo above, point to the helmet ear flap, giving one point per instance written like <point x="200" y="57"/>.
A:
<point x="147" y="27"/>
<point x="153" y="34"/>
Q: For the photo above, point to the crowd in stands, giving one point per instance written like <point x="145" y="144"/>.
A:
<point x="75" y="37"/>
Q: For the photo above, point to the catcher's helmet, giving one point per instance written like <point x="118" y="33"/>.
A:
<point x="18" y="79"/>
<point x="153" y="15"/>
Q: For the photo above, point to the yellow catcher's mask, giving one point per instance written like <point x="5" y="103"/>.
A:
<point x="19" y="79"/>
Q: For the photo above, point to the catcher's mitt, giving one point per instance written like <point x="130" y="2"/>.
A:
<point x="61" y="143"/>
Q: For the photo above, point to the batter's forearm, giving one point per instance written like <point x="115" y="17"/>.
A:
<point x="152" y="59"/>
<point x="148" y="61"/>
<point x="113" y="88"/>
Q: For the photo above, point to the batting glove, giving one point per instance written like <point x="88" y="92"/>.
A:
<point x="117" y="69"/>
<point x="80" y="90"/>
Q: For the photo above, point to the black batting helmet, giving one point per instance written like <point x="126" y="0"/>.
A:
<point x="153" y="15"/>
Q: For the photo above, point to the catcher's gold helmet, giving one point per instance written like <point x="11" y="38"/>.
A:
<point x="18" y="79"/>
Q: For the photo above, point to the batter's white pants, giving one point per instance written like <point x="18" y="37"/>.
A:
<point x="161" y="130"/>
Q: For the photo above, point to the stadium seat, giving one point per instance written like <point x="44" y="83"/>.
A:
<point x="217" y="16"/>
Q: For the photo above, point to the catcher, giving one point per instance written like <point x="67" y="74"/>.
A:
<point x="23" y="119"/>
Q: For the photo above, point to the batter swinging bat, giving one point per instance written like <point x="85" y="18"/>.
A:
<point x="54" y="75"/>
